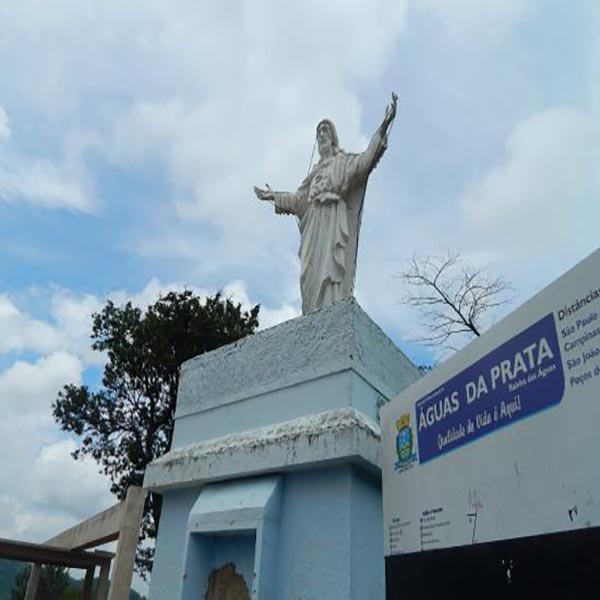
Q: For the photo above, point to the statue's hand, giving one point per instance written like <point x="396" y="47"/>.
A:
<point x="390" y="112"/>
<point x="266" y="194"/>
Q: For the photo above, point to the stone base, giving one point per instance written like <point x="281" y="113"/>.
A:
<point x="275" y="465"/>
<point x="335" y="436"/>
<point x="333" y="358"/>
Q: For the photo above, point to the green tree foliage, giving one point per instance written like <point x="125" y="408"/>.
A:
<point x="20" y="584"/>
<point x="128" y="422"/>
<point x="54" y="581"/>
<point x="72" y="593"/>
<point x="8" y="571"/>
<point x="54" y="584"/>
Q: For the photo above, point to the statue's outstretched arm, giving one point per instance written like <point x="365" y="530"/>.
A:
<point x="378" y="143"/>
<point x="265" y="194"/>
<point x="291" y="203"/>
<point x="390" y="114"/>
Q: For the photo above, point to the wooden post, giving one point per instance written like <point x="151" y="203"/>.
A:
<point x="102" y="590"/>
<point x="88" y="583"/>
<point x="121" y="521"/>
<point x="32" y="584"/>
<point x="128" y="537"/>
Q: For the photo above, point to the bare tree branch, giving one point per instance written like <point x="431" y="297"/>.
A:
<point x="452" y="297"/>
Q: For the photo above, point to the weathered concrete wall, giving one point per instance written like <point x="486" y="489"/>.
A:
<point x="334" y="339"/>
<point x="332" y="358"/>
<point x="342" y="435"/>
<point x="295" y="405"/>
<point x="315" y="535"/>
<point x="328" y="542"/>
<point x="366" y="526"/>
<point x="171" y="544"/>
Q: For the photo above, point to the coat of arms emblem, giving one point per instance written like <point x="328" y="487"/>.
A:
<point x="404" y="443"/>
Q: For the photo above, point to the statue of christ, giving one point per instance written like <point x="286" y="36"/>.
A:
<point x="328" y="205"/>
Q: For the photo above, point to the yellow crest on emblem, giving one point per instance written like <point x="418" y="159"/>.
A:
<point x="403" y="421"/>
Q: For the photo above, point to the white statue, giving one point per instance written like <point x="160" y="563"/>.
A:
<point x="328" y="205"/>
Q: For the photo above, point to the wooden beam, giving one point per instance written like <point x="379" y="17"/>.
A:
<point x="102" y="590"/>
<point x="33" y="583"/>
<point x="95" y="531"/>
<point x="128" y="537"/>
<point x="121" y="522"/>
<point x="43" y="554"/>
<point x="88" y="584"/>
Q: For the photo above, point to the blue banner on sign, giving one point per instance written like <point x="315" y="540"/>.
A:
<point x="519" y="378"/>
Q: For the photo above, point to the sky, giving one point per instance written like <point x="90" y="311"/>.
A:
<point x="131" y="135"/>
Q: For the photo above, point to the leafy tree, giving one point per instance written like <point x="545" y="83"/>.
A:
<point x="72" y="593"/>
<point x="8" y="571"/>
<point x="54" y="584"/>
<point x="54" y="581"/>
<point x="20" y="584"/>
<point x="128" y="422"/>
<point x="451" y="296"/>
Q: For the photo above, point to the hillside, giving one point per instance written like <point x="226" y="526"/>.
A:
<point x="10" y="568"/>
<point x="8" y="572"/>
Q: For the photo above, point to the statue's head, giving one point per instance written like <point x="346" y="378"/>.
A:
<point x="327" y="138"/>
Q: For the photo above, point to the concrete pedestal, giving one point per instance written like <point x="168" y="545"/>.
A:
<point x="275" y="462"/>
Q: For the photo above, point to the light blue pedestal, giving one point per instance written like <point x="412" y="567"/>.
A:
<point x="275" y="464"/>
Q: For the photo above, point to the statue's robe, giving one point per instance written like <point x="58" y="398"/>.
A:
<point x="328" y="205"/>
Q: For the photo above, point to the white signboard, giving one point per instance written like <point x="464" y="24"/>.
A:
<point x="503" y="439"/>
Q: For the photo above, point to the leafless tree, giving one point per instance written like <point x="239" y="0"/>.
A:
<point x="451" y="296"/>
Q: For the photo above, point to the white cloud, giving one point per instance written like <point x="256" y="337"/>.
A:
<point x="216" y="97"/>
<point x="63" y="339"/>
<point x="529" y="216"/>
<point x="67" y="329"/>
<point x="42" y="183"/>
<point x="544" y="193"/>
<point x="4" y="126"/>
<point x="21" y="332"/>
<point x="49" y="184"/>
<point x="236" y="290"/>
<point x="82" y="492"/>
<point x="30" y="387"/>
<point x="33" y="454"/>
<point x="151" y="292"/>
<point x="21" y="435"/>
<point x="26" y="393"/>
<point x="247" y="86"/>
<point x="18" y="521"/>
<point x="268" y="317"/>
<point x="488" y="20"/>
<point x="72" y="321"/>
